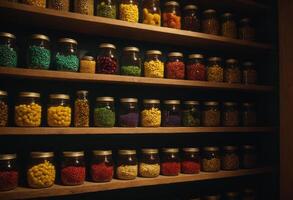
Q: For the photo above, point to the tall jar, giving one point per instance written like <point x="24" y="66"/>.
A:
<point x="249" y="73"/>
<point x="175" y="67"/>
<point x="215" y="70"/>
<point x="107" y="8"/>
<point x="8" y="50"/>
<point x="172" y="15"/>
<point x="210" y="23"/>
<point x="191" y="114"/>
<point x="249" y="156"/>
<point x="153" y="64"/>
<point x="81" y="109"/>
<point x="149" y="165"/>
<point x="190" y="162"/>
<point x="37" y="3"/>
<point x="249" y="194"/>
<point x="170" y="163"/>
<point x="85" y="7"/>
<point x="195" y="69"/>
<point x="230" y="114"/>
<point x="62" y="5"/>
<point x="211" y="161"/>
<point x="191" y="19"/>
<point x="8" y="172"/>
<point x="128" y="112"/>
<point x="66" y="57"/>
<point x="172" y="113"/>
<point x="104" y="113"/>
<point x="59" y="111"/>
<point x="131" y="62"/>
<point x="230" y="158"/>
<point x="211" y="114"/>
<point x="87" y="65"/>
<point x="246" y="30"/>
<point x="232" y="73"/>
<point x="102" y="166"/>
<point x="38" y="52"/>
<point x="28" y="110"/>
<point x="73" y="168"/>
<point x="128" y="10"/>
<point x="41" y="170"/>
<point x="3" y="109"/>
<point x="228" y="27"/>
<point x="127" y="167"/>
<point x="248" y="114"/>
<point x="151" y="113"/>
<point x="232" y="196"/>
<point x="151" y="12"/>
<point x="107" y="62"/>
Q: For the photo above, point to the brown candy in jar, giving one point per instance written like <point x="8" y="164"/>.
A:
<point x="3" y="109"/>
<point x="228" y="26"/>
<point x="62" y="5"/>
<point x="210" y="22"/>
<point x="249" y="73"/>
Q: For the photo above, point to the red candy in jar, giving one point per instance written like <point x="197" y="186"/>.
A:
<point x="175" y="67"/>
<point x="8" y="172"/>
<point x="170" y="165"/>
<point x="195" y="69"/>
<point x="190" y="19"/>
<point x="171" y="15"/>
<point x="102" y="166"/>
<point x="107" y="60"/>
<point x="190" y="163"/>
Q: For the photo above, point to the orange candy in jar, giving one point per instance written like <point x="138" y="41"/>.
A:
<point x="171" y="15"/>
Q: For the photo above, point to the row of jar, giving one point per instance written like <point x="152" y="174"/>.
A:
<point x="66" y="59"/>
<point x="28" y="112"/>
<point x="41" y="170"/>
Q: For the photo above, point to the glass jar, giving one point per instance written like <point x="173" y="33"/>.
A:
<point x="170" y="164"/>
<point x="248" y="114"/>
<point x="128" y="114"/>
<point x="41" y="170"/>
<point x="66" y="57"/>
<point x="249" y="194"/>
<point x="28" y="110"/>
<point x="59" y="111"/>
<point x="230" y="114"/>
<point x="215" y="71"/>
<point x="211" y="114"/>
<point x="151" y="113"/>
<point x="249" y="73"/>
<point x="107" y="62"/>
<point x="175" y="67"/>
<point x="62" y="5"/>
<point x="229" y="27"/>
<point x="212" y="197"/>
<point x="191" y="114"/>
<point x="249" y="156"/>
<point x="88" y="65"/>
<point x="149" y="165"/>
<point x="85" y="7"/>
<point x="232" y="73"/>
<point x="246" y="31"/>
<point x="210" y="22"/>
<point x="190" y="163"/>
<point x="107" y="8"/>
<point x="104" y="113"/>
<point x="128" y="10"/>
<point x="8" y="51"/>
<point x="211" y="161"/>
<point x="191" y="20"/>
<point x="3" y="109"/>
<point x="131" y="62"/>
<point x="196" y="69"/>
<point x="172" y="15"/>
<point x="8" y="172"/>
<point x="81" y="109"/>
<point x="151" y="12"/>
<point x="38" y="3"/>
<point x="38" y="52"/>
<point x="73" y="168"/>
<point x="153" y="64"/>
<point x="230" y="158"/>
<point x="172" y="113"/>
<point x="126" y="165"/>
<point x="102" y="167"/>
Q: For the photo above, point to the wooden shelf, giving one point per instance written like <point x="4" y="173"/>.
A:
<point x="59" y="190"/>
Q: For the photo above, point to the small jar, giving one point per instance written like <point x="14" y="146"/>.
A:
<point x="172" y="113"/>
<point x="38" y="52"/>
<point x="215" y="71"/>
<point x="131" y="62"/>
<point x="66" y="57"/>
<point x="191" y="19"/>
<point x="212" y="197"/>
<point x="228" y="27"/>
<point x="107" y="62"/>
<point x="87" y="65"/>
<point x="104" y="113"/>
<point x="149" y="165"/>
<point x="175" y="67"/>
<point x="3" y="109"/>
<point x="151" y="12"/>
<point x="28" y="110"/>
<point x="128" y="113"/>
<point x="246" y="31"/>
<point x="102" y="167"/>
<point x="230" y="114"/>
<point x="59" y="111"/>
<point x="211" y="161"/>
<point x="249" y="194"/>
<point x="172" y="15"/>
<point x="211" y="114"/>
<point x="190" y="163"/>
<point x="191" y="114"/>
<point x="8" y="172"/>
<point x="196" y="69"/>
<point x="107" y="8"/>
<point x="170" y="164"/>
<point x="153" y="64"/>
<point x="72" y="168"/>
<point x="85" y="7"/>
<point x="249" y="156"/>
<point x="62" y="5"/>
<point x="230" y="158"/>
<point x="126" y="165"/>
<point x="151" y="113"/>
<point x="210" y="22"/>
<point x="248" y="114"/>
<point x="81" y="109"/>
<point x="8" y="50"/>
<point x="37" y="3"/>
<point x="232" y="73"/>
<point x="128" y="10"/>
<point x="41" y="170"/>
<point x="249" y="73"/>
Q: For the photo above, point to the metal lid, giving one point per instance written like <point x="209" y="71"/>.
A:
<point x="8" y="35"/>
<point x="59" y="96"/>
<point x="211" y="148"/>
<point x="231" y="61"/>
<point x="150" y="151"/>
<point x="245" y="20"/>
<point x="248" y="63"/>
<point x="29" y="94"/>
<point x="171" y="3"/>
<point x="7" y="156"/>
<point x="248" y="104"/>
<point x="190" y="7"/>
<point x="248" y="147"/>
<point x="3" y="93"/>
<point x="155" y="101"/>
<point x="67" y="40"/>
<point x="127" y="152"/>
<point x="73" y="153"/>
<point x="82" y="92"/>
<point x="212" y="197"/>
<point x="154" y="52"/>
<point x="107" y="45"/>
<point x="89" y="58"/>
<point x="172" y="102"/>
<point x="227" y="14"/>
<point x="191" y="102"/>
<point x="190" y="149"/>
<point x="39" y="154"/>
<point x="131" y="49"/>
<point x="170" y="150"/>
<point x="128" y="100"/>
<point x="230" y="148"/>
<point x="199" y="56"/>
<point x="175" y="54"/>
<point x="40" y="37"/>
<point x="102" y="152"/>
<point x="228" y="103"/>
<point x="209" y="11"/>
<point x="232" y="194"/>
<point x="104" y="99"/>
<point x="211" y="103"/>
<point x="215" y="59"/>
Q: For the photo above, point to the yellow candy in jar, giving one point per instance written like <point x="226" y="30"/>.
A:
<point x="151" y="117"/>
<point x="129" y="12"/>
<point x="150" y="18"/>
<point x="154" y="69"/>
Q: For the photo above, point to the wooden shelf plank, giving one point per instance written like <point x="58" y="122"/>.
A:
<point x="59" y="190"/>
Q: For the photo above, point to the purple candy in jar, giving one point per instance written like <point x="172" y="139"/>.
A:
<point x="171" y="113"/>
<point x="128" y="112"/>
<point x="107" y="60"/>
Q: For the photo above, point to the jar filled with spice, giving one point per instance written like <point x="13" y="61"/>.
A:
<point x="232" y="196"/>
<point x="127" y="168"/>
<point x="191" y="20"/>
<point x="153" y="64"/>
<point x="104" y="113"/>
<point x="8" y="172"/>
<point x="128" y="113"/>
<point x="128" y="10"/>
<point x="175" y="67"/>
<point x="215" y="71"/>
<point x="249" y="156"/>
<point x="172" y="15"/>
<point x="107" y="62"/>
<point x="195" y="69"/>
<point x="81" y="109"/>
<point x="190" y="163"/>
<point x="248" y="114"/>
<point x="85" y="7"/>
<point x="229" y="27"/>
<point x="246" y="30"/>
<point x="3" y="109"/>
<point x="107" y="8"/>
<point x="149" y="165"/>
<point x="59" y="111"/>
<point x="230" y="158"/>
<point x="170" y="164"/>
<point x="73" y="168"/>
<point x="62" y="5"/>
<point x="87" y="65"/>
<point x="28" y="110"/>
<point x="249" y="73"/>
<point x="151" y="113"/>
<point x="131" y="62"/>
<point x="8" y="50"/>
<point x="210" y="22"/>
<point x="211" y="161"/>
<point x="172" y="113"/>
<point x="232" y="73"/>
<point x="211" y="114"/>
<point x="151" y="12"/>
<point x="249" y="194"/>
<point x="41" y="170"/>
<point x="37" y="3"/>
<point x="230" y="114"/>
<point x="191" y="113"/>
<point x="102" y="167"/>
